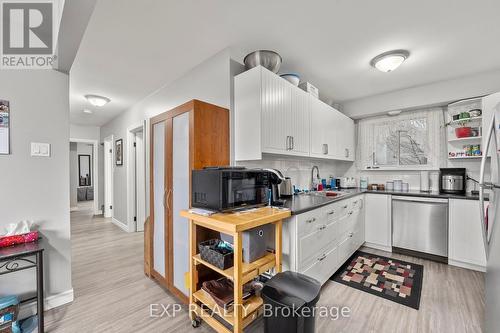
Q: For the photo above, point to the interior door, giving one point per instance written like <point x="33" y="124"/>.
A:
<point x="159" y="193"/>
<point x="140" y="181"/>
<point x="180" y="200"/>
<point x="108" y="178"/>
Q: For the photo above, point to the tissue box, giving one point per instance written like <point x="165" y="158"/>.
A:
<point x="18" y="239"/>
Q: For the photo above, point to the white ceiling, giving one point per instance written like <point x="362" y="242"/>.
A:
<point x="131" y="48"/>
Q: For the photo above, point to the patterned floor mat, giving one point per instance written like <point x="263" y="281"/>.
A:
<point x="392" y="279"/>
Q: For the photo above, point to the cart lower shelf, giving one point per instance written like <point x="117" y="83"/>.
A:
<point x="249" y="270"/>
<point x="251" y="310"/>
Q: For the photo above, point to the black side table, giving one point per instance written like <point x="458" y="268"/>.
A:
<point x="24" y="256"/>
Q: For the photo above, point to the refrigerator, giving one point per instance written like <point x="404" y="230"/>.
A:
<point x="489" y="216"/>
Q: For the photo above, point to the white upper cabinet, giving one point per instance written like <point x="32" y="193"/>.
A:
<point x="273" y="116"/>
<point x="275" y="113"/>
<point x="322" y="130"/>
<point x="345" y="138"/>
<point x="300" y="122"/>
<point x="332" y="132"/>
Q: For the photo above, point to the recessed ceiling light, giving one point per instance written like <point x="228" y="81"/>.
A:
<point x="97" y="100"/>
<point x="87" y="111"/>
<point x="389" y="61"/>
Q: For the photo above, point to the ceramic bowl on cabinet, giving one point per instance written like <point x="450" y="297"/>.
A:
<point x="292" y="78"/>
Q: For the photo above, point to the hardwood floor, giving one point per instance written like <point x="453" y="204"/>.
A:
<point x="113" y="295"/>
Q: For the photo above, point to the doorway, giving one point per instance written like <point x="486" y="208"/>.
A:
<point x="108" y="176"/>
<point x="84" y="181"/>
<point x="136" y="178"/>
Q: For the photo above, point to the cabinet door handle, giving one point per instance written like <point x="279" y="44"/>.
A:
<point x="323" y="227"/>
<point x="325" y="148"/>
<point x="293" y="144"/>
<point x="287" y="143"/>
<point x="331" y="212"/>
<point x="168" y="199"/>
<point x="346" y="152"/>
<point x="351" y="234"/>
<point x="350" y="213"/>
<point x="322" y="257"/>
<point x="345" y="207"/>
<point x="311" y="220"/>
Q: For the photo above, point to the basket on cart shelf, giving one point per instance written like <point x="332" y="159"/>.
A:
<point x="217" y="253"/>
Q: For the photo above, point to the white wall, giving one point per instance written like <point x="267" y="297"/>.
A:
<point x="80" y="132"/>
<point x="37" y="188"/>
<point x="430" y="94"/>
<point x="208" y="82"/>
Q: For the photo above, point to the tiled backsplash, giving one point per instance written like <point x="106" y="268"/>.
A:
<point x="299" y="169"/>
<point x="413" y="177"/>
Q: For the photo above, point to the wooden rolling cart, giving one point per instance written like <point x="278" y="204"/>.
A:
<point x="232" y="224"/>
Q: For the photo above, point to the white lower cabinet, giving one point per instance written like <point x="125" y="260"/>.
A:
<point x="324" y="266"/>
<point x="465" y="239"/>
<point x="378" y="226"/>
<point x="318" y="242"/>
<point x="311" y="244"/>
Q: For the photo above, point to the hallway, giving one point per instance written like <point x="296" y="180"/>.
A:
<point x="112" y="294"/>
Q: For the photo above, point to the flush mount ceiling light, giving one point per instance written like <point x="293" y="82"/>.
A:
<point x="389" y="61"/>
<point x="97" y="100"/>
<point x="87" y="111"/>
<point x="394" y="112"/>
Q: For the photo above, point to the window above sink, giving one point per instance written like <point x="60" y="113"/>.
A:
<point x="409" y="141"/>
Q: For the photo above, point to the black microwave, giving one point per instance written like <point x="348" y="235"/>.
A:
<point x="225" y="189"/>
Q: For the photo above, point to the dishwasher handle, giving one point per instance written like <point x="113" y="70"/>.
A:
<point x="420" y="199"/>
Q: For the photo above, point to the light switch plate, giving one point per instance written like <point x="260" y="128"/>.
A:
<point x="40" y="149"/>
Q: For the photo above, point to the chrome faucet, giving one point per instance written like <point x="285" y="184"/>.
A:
<point x="312" y="176"/>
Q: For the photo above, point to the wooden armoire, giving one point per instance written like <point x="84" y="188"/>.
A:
<point x="191" y="136"/>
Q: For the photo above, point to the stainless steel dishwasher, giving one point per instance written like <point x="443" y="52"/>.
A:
<point x="420" y="227"/>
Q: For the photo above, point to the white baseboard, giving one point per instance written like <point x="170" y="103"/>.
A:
<point x="98" y="212"/>
<point x="378" y="246"/>
<point x="467" y="265"/>
<point x="120" y="224"/>
<point x="73" y="209"/>
<point x="50" y="302"/>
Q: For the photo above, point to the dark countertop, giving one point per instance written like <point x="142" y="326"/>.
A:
<point x="302" y="203"/>
<point x="434" y="194"/>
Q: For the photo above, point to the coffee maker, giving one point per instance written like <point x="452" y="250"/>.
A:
<point x="452" y="180"/>
<point x="280" y="187"/>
